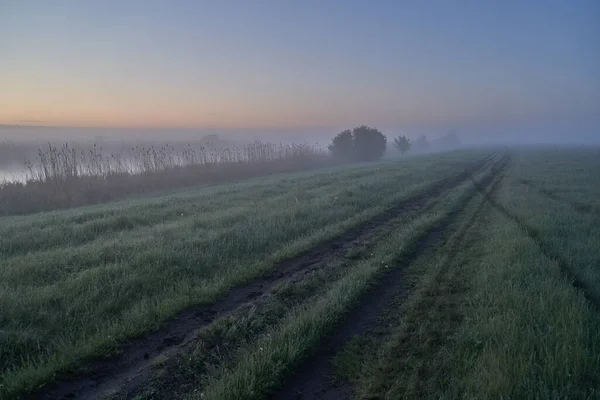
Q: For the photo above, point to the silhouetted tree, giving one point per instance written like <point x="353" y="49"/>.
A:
<point x="369" y="143"/>
<point x="421" y="144"/>
<point x="361" y="144"/>
<point x="342" y="146"/>
<point x="402" y="143"/>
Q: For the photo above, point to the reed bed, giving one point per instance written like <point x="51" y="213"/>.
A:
<point x="63" y="176"/>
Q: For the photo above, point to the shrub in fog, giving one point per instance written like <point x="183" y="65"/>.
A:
<point x="402" y="143"/>
<point x="363" y="143"/>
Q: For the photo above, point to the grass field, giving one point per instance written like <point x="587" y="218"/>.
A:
<point x="471" y="274"/>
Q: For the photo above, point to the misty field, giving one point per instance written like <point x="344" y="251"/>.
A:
<point x="467" y="274"/>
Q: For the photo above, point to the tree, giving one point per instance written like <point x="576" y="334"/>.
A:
<point x="363" y="143"/>
<point x="402" y="143"/>
<point x="422" y="144"/>
<point x="369" y="143"/>
<point x="342" y="146"/>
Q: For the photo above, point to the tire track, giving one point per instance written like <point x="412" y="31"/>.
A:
<point x="101" y="377"/>
<point x="134" y="386"/>
<point x="536" y="236"/>
<point x="313" y="378"/>
<point x="171" y="367"/>
<point x="576" y="205"/>
<point x="442" y="298"/>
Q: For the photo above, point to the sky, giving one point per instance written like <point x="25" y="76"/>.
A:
<point x="300" y="64"/>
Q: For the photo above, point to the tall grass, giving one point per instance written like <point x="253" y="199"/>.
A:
<point x="62" y="176"/>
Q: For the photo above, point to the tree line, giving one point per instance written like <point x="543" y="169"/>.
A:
<point x="365" y="143"/>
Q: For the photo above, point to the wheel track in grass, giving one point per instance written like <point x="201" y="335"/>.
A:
<point x="314" y="378"/>
<point x="567" y="270"/>
<point x="104" y="376"/>
<point x="171" y="367"/>
<point x="576" y="205"/>
<point x="445" y="297"/>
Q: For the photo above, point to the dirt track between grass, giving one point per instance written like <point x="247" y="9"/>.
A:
<point x="314" y="379"/>
<point x="131" y="366"/>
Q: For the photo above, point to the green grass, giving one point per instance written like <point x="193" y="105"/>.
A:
<point x="565" y="232"/>
<point x="261" y="367"/>
<point x="402" y="356"/>
<point x="504" y="305"/>
<point x="501" y="319"/>
<point x="74" y="284"/>
<point x="223" y="349"/>
<point x="528" y="333"/>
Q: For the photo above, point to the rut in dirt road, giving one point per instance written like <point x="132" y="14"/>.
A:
<point x="105" y="376"/>
<point x="535" y="235"/>
<point x="314" y="379"/>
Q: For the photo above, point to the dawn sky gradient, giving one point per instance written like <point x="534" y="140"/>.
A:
<point x="235" y="64"/>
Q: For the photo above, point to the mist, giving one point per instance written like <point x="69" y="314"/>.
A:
<point x="299" y="199"/>
<point x="585" y="131"/>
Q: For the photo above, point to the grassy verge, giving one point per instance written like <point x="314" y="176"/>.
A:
<point x="498" y="321"/>
<point x="563" y="231"/>
<point x="529" y="333"/>
<point x="569" y="174"/>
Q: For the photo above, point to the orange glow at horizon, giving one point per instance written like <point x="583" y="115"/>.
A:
<point x="81" y="104"/>
<point x="91" y="64"/>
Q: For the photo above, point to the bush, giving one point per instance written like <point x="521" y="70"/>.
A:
<point x="402" y="143"/>
<point x="342" y="145"/>
<point x="363" y="143"/>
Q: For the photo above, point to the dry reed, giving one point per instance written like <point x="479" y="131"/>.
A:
<point x="63" y="176"/>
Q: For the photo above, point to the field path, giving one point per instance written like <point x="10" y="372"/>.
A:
<point x="314" y="379"/>
<point x="131" y="367"/>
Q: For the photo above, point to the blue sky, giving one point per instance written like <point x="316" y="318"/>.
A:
<point x="301" y="64"/>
